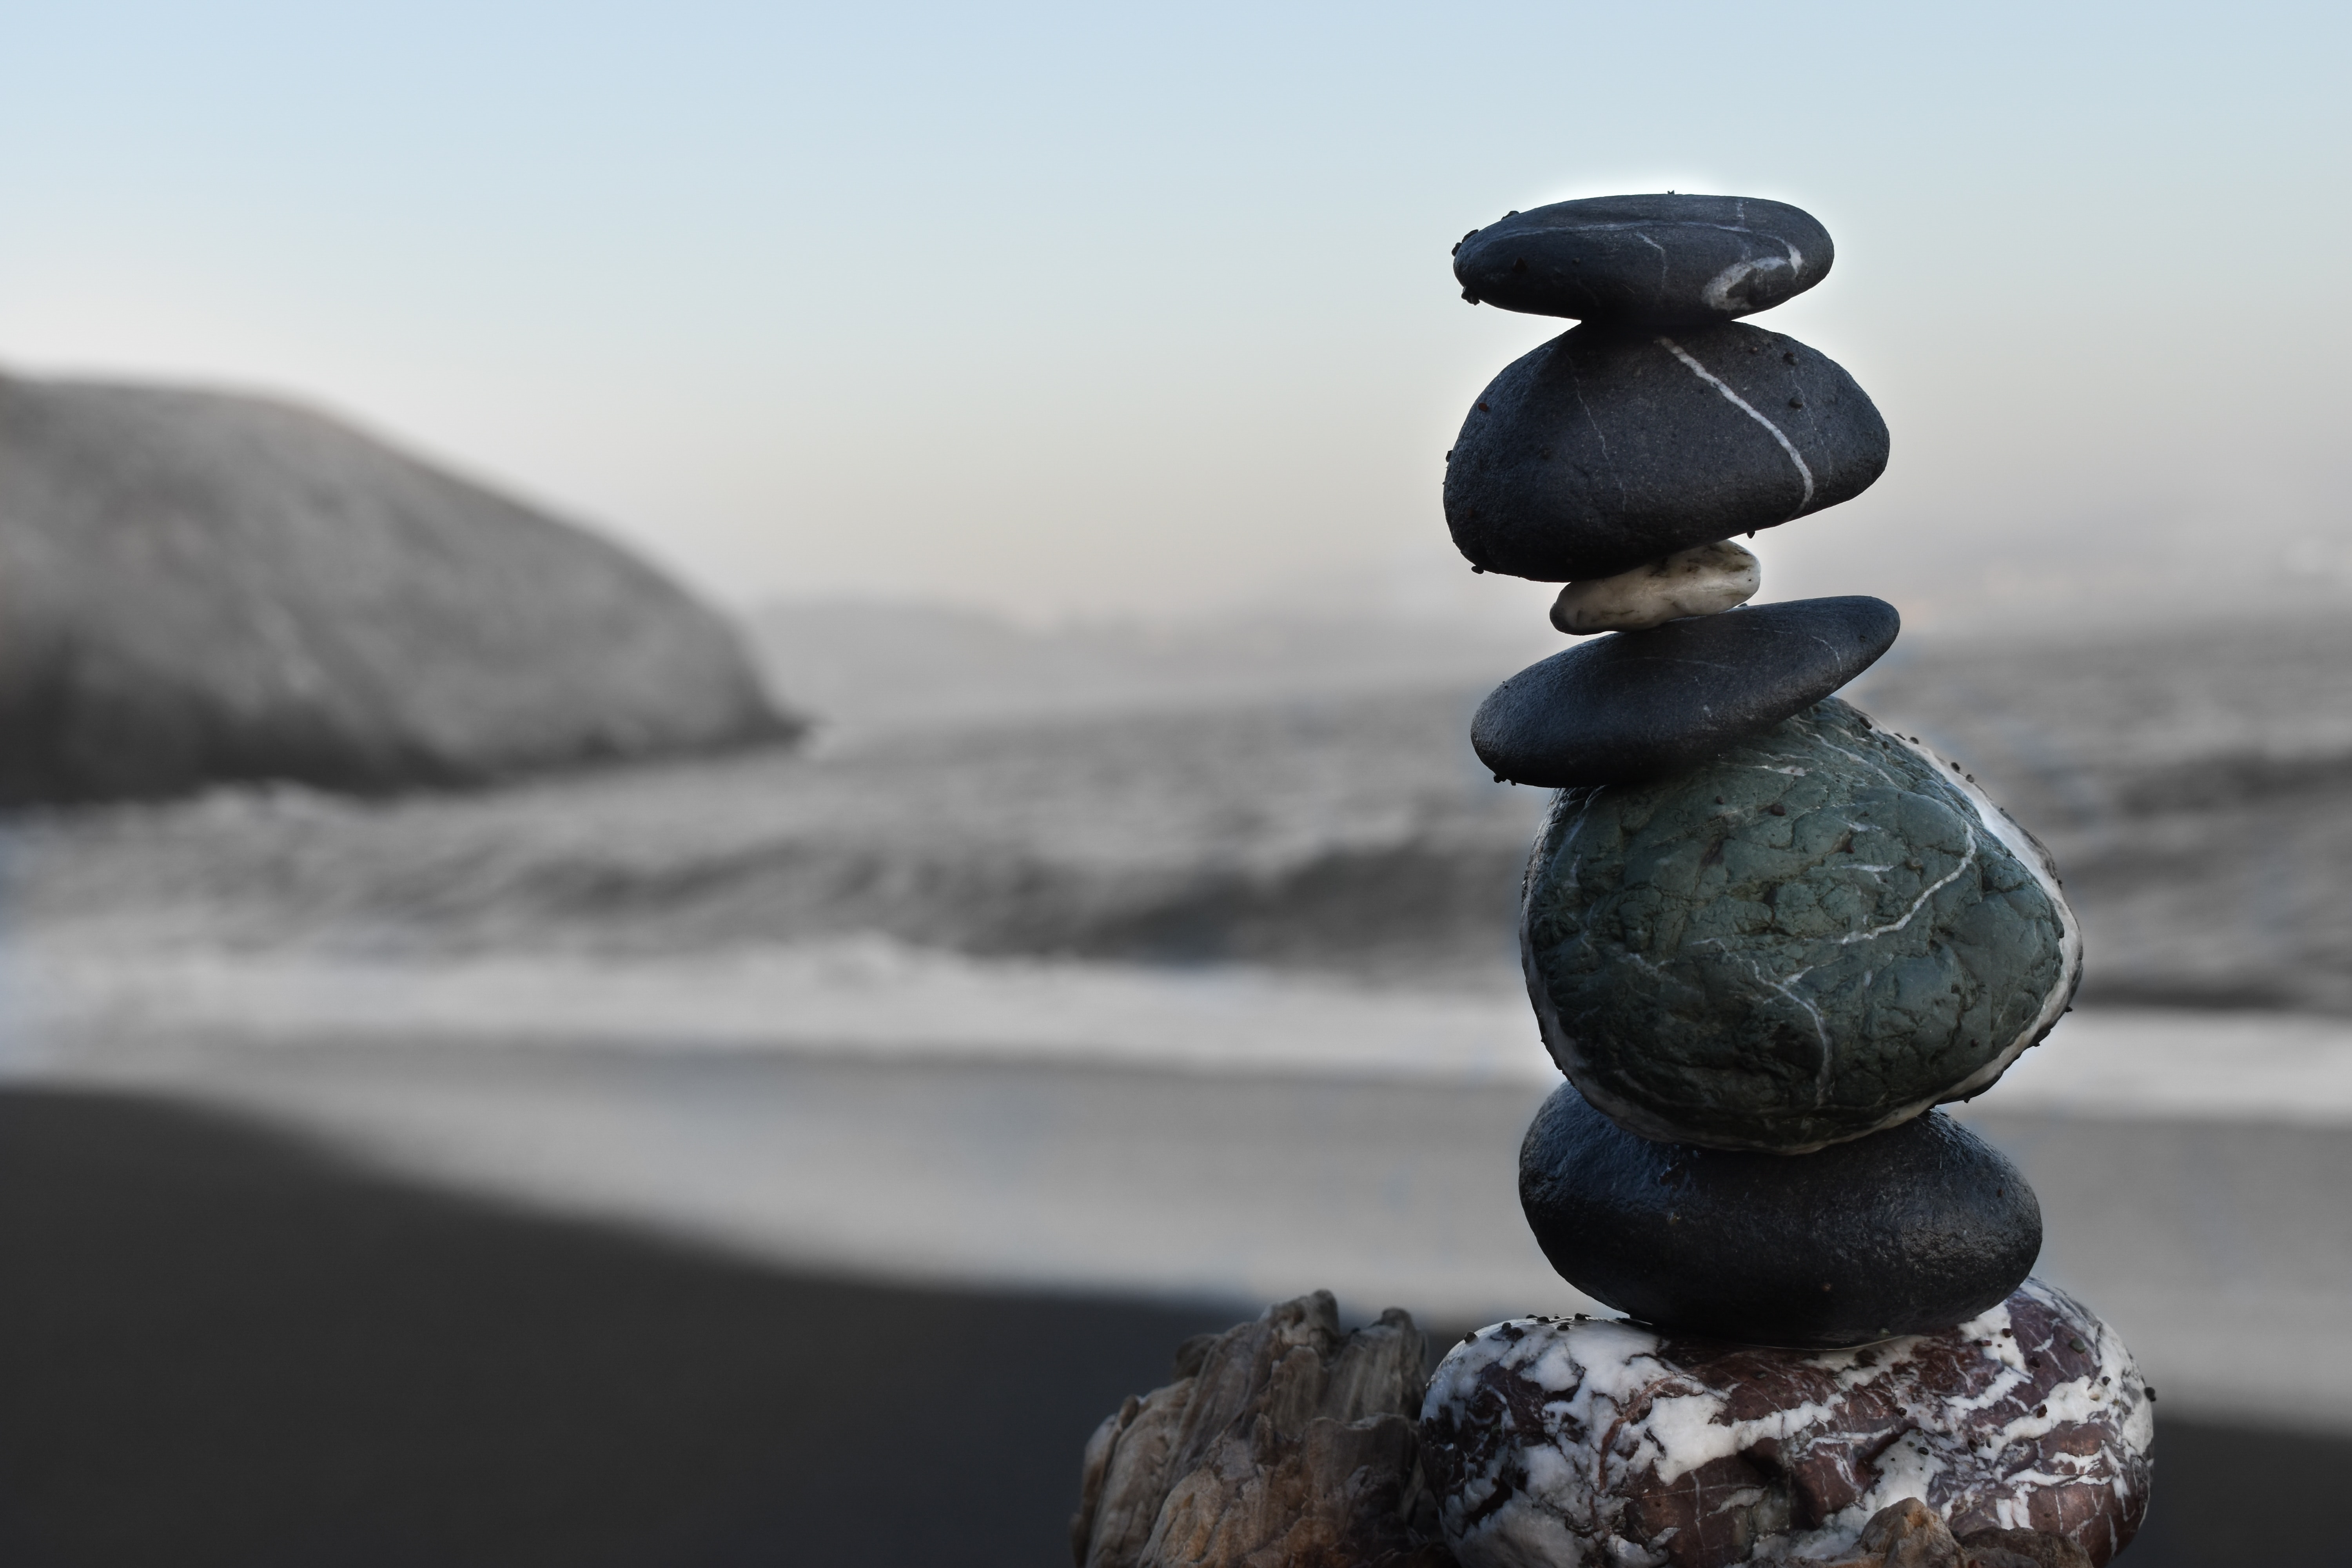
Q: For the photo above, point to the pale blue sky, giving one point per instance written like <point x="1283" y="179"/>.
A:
<point x="1067" y="309"/>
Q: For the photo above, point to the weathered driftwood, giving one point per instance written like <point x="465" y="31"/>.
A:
<point x="1283" y="1442"/>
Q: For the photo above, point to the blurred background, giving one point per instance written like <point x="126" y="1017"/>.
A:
<point x="734" y="738"/>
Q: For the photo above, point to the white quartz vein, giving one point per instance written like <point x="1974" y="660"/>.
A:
<point x="1717" y="292"/>
<point x="1821" y="1030"/>
<point x="1920" y="903"/>
<point x="1664" y="261"/>
<point x="1748" y="408"/>
<point x="1872" y="763"/>
<point x="1577" y="386"/>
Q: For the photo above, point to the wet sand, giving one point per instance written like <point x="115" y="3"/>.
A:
<point x="218" y="1346"/>
<point x="222" y="1345"/>
<point x="2218" y="1246"/>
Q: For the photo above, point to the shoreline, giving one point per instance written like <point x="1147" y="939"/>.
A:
<point x="287" y="1359"/>
<point x="872" y="998"/>
<point x="2212" y="1243"/>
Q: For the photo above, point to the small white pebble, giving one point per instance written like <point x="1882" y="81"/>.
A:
<point x="1703" y="581"/>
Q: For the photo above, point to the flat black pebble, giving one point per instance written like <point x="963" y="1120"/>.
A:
<point x="1914" y="1229"/>
<point x="1653" y="259"/>
<point x="1633" y="705"/>
<point x="1605" y="449"/>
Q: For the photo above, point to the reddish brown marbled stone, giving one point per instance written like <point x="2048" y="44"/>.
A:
<point x="1564" y="1442"/>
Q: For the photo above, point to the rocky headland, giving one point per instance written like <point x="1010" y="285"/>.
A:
<point x="199" y="588"/>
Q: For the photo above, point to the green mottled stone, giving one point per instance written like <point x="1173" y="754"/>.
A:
<point x="1822" y="932"/>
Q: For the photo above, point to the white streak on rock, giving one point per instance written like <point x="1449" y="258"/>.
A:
<point x="1715" y="293"/>
<point x="1748" y="408"/>
<point x="1664" y="262"/>
<point x="2045" y="870"/>
<point x="1919" y="903"/>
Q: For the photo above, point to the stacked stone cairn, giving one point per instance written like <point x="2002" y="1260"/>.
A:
<point x="1764" y="937"/>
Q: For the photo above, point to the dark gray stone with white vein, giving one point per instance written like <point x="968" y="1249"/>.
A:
<point x="1607" y="447"/>
<point x="1664" y="260"/>
<point x="1643" y="705"/>
<point x="1821" y="932"/>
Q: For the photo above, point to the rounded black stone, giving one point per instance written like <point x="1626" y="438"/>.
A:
<point x="1633" y="705"/>
<point x="1663" y="260"/>
<point x="1914" y="1229"/>
<point x="1607" y="447"/>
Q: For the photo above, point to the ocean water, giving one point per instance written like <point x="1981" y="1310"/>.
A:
<point x="1344" y="830"/>
<point x="2191" y="785"/>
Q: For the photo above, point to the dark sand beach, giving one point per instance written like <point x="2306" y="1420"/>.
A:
<point x="222" y="1345"/>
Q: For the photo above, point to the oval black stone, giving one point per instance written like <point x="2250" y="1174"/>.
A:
<point x="1632" y="706"/>
<point x="1654" y="260"/>
<point x="1606" y="448"/>
<point x="1914" y="1229"/>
